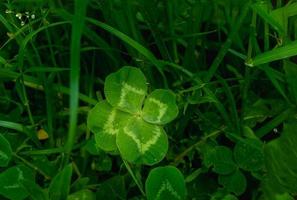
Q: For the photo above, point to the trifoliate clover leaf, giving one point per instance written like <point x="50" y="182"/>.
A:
<point x="128" y="122"/>
<point x="141" y="142"/>
<point x="160" y="107"/>
<point x="105" y="121"/>
<point x="126" y="89"/>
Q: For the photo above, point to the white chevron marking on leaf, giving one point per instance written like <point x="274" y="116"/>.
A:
<point x="167" y="186"/>
<point x="126" y="88"/>
<point x="162" y="107"/>
<point x="153" y="140"/>
<point x="20" y="178"/>
<point x="21" y="175"/>
<point x="109" y="126"/>
<point x="144" y="147"/>
<point x="14" y="186"/>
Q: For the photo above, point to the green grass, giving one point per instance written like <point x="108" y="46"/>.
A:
<point x="232" y="67"/>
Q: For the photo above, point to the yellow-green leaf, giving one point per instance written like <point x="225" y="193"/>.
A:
<point x="126" y="89"/>
<point x="160" y="107"/>
<point x="141" y="142"/>
<point x="105" y="121"/>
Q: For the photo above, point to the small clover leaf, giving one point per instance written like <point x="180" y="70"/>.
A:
<point x="126" y="89"/>
<point x="160" y="107"/>
<point x="222" y="160"/>
<point x="235" y="182"/>
<point x="165" y="183"/>
<point x="128" y="122"/>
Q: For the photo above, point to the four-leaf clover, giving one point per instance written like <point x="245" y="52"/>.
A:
<point x="131" y="121"/>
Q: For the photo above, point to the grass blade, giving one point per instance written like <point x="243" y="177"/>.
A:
<point x="77" y="28"/>
<point x="34" y="83"/>
<point x="274" y="123"/>
<point x="224" y="49"/>
<point x="283" y="52"/>
<point x="262" y="9"/>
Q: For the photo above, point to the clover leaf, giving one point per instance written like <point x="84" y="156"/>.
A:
<point x="105" y="121"/>
<point x="234" y="182"/>
<point x="155" y="109"/>
<point x="221" y="159"/>
<point x="128" y="121"/>
<point x="165" y="183"/>
<point x="126" y="89"/>
<point x="11" y="182"/>
<point x="141" y="142"/>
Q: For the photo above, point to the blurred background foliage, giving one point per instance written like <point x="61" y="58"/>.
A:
<point x="232" y="65"/>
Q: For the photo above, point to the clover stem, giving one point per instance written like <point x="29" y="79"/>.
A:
<point x="34" y="167"/>
<point x="134" y="177"/>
